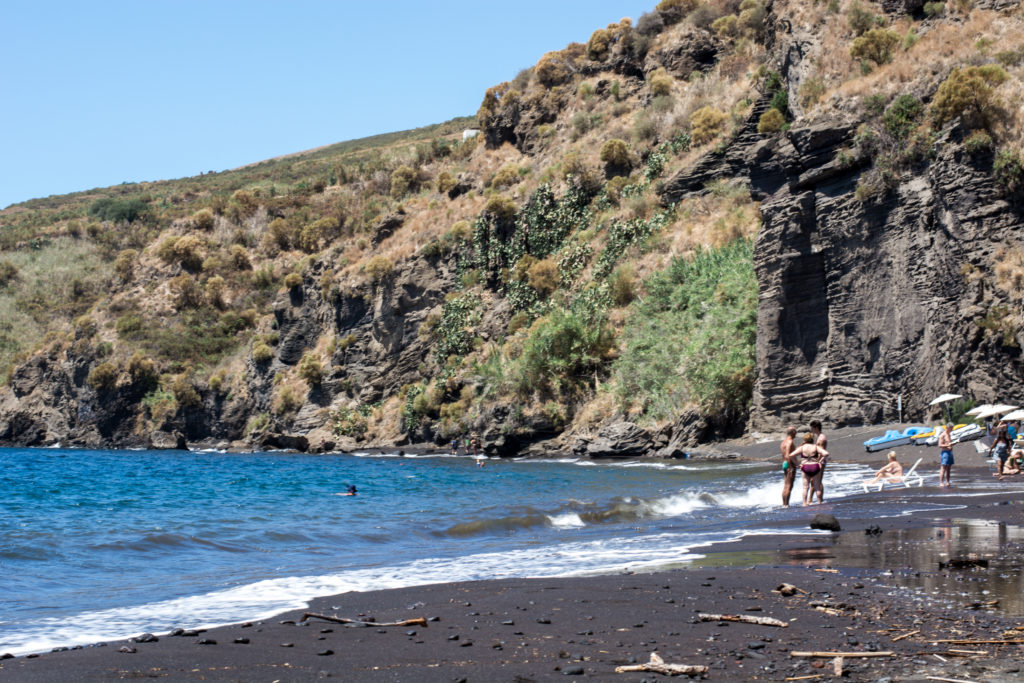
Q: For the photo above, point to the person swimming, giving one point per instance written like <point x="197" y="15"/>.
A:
<point x="351" y="491"/>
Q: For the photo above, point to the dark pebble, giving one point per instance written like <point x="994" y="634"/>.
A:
<point x="755" y="645"/>
<point x="327" y="630"/>
<point x="127" y="650"/>
<point x="706" y="585"/>
<point x="145" y="638"/>
<point x="410" y="633"/>
<point x="753" y="609"/>
<point x="36" y="654"/>
<point x="287" y="644"/>
<point x="7" y="655"/>
<point x="543" y="621"/>
<point x="508" y="622"/>
<point x="287" y="622"/>
<point x="190" y="633"/>
<point x="573" y="671"/>
<point x="433" y="618"/>
<point x="454" y="636"/>
<point x="177" y="632"/>
<point x="59" y="649"/>
<point x="382" y="630"/>
<point x="207" y="641"/>
<point x="241" y="641"/>
<point x="466" y="643"/>
<point x="325" y="653"/>
<point x="671" y="601"/>
<point x="247" y="624"/>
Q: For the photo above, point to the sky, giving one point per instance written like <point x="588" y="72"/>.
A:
<point x="100" y="93"/>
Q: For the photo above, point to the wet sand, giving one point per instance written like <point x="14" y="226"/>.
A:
<point x="924" y="578"/>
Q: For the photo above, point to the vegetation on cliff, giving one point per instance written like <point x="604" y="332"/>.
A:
<point x="529" y="279"/>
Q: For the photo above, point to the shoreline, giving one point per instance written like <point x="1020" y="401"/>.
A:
<point x="549" y="644"/>
<point x="586" y="626"/>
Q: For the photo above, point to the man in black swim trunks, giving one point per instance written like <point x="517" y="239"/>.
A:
<point x="788" y="467"/>
<point x="821" y="442"/>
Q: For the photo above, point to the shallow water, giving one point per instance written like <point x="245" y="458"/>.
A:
<point x="97" y="545"/>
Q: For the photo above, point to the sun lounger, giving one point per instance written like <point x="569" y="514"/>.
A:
<point x="908" y="477"/>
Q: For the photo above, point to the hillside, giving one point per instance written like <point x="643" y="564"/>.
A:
<point x="724" y="216"/>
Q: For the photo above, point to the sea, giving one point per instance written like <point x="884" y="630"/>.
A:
<point x="98" y="545"/>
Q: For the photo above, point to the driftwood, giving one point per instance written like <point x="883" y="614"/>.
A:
<point x="948" y="680"/>
<point x="906" y="635"/>
<point x="831" y="611"/>
<point x="418" y="621"/>
<point x="837" y="666"/>
<point x="657" y="665"/>
<point x="978" y="642"/>
<point x="832" y="655"/>
<point x="788" y="589"/>
<point x="746" y="619"/>
<point x="804" y="678"/>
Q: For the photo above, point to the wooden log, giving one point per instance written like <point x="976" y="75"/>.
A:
<point x="830" y="655"/>
<point x="658" y="666"/>
<point x="744" y="618"/>
<point x="954" y="641"/>
<point x="803" y="678"/>
<point x="831" y="611"/>
<point x="949" y="680"/>
<point x="906" y="635"/>
<point x="418" y="621"/>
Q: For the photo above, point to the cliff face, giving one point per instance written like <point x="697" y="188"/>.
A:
<point x="875" y="259"/>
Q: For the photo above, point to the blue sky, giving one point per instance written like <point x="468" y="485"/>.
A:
<point x="99" y="93"/>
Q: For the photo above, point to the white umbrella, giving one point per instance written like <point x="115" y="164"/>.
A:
<point x="1015" y="415"/>
<point x="980" y="409"/>
<point x="993" y="411"/>
<point x="944" y="398"/>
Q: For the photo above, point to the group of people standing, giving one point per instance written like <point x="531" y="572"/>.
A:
<point x="810" y="457"/>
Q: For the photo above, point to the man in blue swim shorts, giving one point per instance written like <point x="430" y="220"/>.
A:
<point x="945" y="454"/>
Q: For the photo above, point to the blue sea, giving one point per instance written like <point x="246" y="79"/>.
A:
<point x="99" y="545"/>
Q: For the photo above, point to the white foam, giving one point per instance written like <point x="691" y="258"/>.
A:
<point x="568" y="520"/>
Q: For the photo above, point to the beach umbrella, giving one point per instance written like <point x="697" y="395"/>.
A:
<point x="945" y="399"/>
<point x="993" y="411"/>
<point x="979" y="409"/>
<point x="1015" y="415"/>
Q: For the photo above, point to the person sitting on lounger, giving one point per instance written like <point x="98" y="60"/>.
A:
<point x="891" y="472"/>
<point x="1015" y="464"/>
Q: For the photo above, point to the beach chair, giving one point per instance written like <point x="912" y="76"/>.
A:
<point x="909" y="476"/>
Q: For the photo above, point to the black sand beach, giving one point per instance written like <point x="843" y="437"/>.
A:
<point x="921" y="581"/>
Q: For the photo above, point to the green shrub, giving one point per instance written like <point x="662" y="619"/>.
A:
<point x="1010" y="58"/>
<point x="292" y="281"/>
<point x="261" y="353"/>
<point x="727" y="26"/>
<point x="772" y="121"/>
<point x="142" y="371"/>
<point x="622" y="285"/>
<point x="404" y="179"/>
<point x="287" y="401"/>
<point x="184" y="392"/>
<point x="186" y="292"/>
<point x="240" y="257"/>
<point x="706" y="124"/>
<point x="124" y="264"/>
<point x="161" y="405"/>
<point x="118" y="210"/>
<point x="934" y="9"/>
<point x="129" y="325"/>
<point x="860" y="19"/>
<point x="691" y="338"/>
<point x="901" y="117"/>
<point x="103" y="377"/>
<point x="551" y="69"/>
<point x="673" y="11"/>
<point x="8" y="273"/>
<point x="215" y="291"/>
<point x="217" y="380"/>
<point x="660" y="82"/>
<point x="280" y="233"/>
<point x="1008" y="170"/>
<point x="969" y="93"/>
<point x="562" y="352"/>
<point x="315" y="235"/>
<point x="203" y="219"/>
<point x="506" y="176"/>
<point x="876" y="45"/>
<point x="378" y="268"/>
<point x="501" y="207"/>
<point x="311" y="369"/>
<point x="979" y="142"/>
<point x="599" y="43"/>
<point x="543" y="277"/>
<point x="347" y="422"/>
<point x="445" y="181"/>
<point x="615" y="154"/>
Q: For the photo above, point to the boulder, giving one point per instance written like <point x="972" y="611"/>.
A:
<point x="167" y="441"/>
<point x="826" y="522"/>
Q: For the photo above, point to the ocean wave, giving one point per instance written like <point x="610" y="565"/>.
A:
<point x="167" y="542"/>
